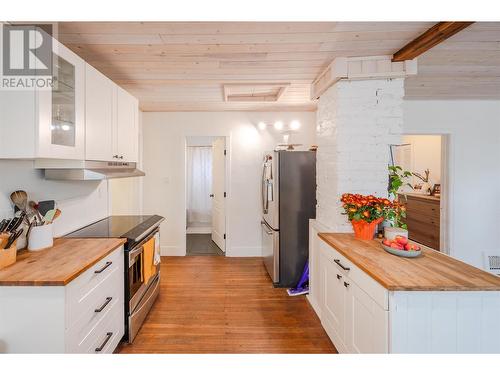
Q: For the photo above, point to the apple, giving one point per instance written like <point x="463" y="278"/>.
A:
<point x="401" y="240"/>
<point x="395" y="245"/>
<point x="386" y="242"/>
<point x="412" y="247"/>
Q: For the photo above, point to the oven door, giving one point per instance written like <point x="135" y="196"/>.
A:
<point x="136" y="285"/>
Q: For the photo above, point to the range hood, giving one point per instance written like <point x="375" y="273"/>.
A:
<point x="87" y="170"/>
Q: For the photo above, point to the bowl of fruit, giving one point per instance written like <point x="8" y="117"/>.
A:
<point x="401" y="247"/>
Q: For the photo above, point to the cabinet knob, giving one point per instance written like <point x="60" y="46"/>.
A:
<point x="115" y="156"/>
<point x="346" y="284"/>
<point x="339" y="276"/>
<point x="121" y="157"/>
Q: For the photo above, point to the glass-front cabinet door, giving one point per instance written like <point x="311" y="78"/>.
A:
<point x="61" y="128"/>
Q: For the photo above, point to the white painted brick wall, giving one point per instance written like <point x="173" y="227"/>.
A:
<point x="356" y="123"/>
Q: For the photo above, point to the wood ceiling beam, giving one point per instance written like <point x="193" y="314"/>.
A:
<point x="432" y="37"/>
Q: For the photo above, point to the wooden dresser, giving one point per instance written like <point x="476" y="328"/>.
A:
<point x="423" y="218"/>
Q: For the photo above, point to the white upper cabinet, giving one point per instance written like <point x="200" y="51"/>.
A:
<point x="111" y="120"/>
<point x="99" y="115"/>
<point x="84" y="116"/>
<point x="127" y="127"/>
<point x="44" y="122"/>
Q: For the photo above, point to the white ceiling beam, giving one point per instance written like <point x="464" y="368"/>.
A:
<point x="357" y="68"/>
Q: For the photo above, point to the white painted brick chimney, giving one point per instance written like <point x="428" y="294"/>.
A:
<point x="356" y="123"/>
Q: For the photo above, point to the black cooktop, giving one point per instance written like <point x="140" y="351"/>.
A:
<point x="130" y="227"/>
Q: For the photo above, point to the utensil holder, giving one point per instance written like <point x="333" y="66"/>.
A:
<point x="7" y="256"/>
<point x="41" y="237"/>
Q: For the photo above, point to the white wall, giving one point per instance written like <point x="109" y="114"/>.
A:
<point x="81" y="202"/>
<point x="474" y="169"/>
<point x="425" y="154"/>
<point x="164" y="163"/>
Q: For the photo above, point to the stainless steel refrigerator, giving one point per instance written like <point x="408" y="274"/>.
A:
<point x="288" y="190"/>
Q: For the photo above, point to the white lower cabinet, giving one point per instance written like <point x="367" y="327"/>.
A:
<point x="352" y="319"/>
<point x="84" y="316"/>
<point x="361" y="316"/>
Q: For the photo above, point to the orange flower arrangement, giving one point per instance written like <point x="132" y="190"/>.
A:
<point x="365" y="207"/>
<point x="365" y="212"/>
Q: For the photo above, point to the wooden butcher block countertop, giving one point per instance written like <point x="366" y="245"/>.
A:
<point x="58" y="265"/>
<point x="430" y="271"/>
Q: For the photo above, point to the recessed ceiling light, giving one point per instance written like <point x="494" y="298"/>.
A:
<point x="278" y="125"/>
<point x="262" y="125"/>
<point x="295" y="125"/>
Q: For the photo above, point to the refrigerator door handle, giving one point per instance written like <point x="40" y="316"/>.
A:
<point x="265" y="203"/>
<point x="268" y="230"/>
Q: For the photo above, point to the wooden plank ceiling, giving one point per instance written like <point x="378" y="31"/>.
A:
<point x="466" y="66"/>
<point x="183" y="66"/>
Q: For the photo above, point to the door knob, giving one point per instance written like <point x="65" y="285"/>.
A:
<point x="211" y="195"/>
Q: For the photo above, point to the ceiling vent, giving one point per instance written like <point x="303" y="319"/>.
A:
<point x="254" y="92"/>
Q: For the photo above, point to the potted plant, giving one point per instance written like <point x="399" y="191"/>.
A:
<point x="395" y="213"/>
<point x="364" y="212"/>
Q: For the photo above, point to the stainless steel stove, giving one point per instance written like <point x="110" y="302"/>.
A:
<point x="138" y="230"/>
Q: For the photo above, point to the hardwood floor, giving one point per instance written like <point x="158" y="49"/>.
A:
<point x="226" y="305"/>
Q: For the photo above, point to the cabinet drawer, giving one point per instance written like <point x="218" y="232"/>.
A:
<point x="78" y="290"/>
<point x="426" y="234"/>
<point x="82" y="317"/>
<point x="111" y="324"/>
<point x="379" y="294"/>
<point x="422" y="207"/>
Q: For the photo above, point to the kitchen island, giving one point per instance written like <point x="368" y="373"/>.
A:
<point x="65" y="299"/>
<point x="370" y="301"/>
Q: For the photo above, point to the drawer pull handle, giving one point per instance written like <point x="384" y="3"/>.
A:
<point x="338" y="277"/>
<point x="108" y="300"/>
<point x="104" y="267"/>
<point x="108" y="336"/>
<point x="346" y="284"/>
<point x="341" y="265"/>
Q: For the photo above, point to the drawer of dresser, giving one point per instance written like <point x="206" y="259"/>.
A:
<point x="105" y="335"/>
<point x="84" y="314"/>
<point x="421" y="207"/>
<point x="78" y="289"/>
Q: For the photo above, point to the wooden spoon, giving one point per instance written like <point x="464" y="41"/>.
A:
<point x="20" y="199"/>
<point x="56" y="214"/>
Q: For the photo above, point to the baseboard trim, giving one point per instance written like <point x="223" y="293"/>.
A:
<point x="244" y="251"/>
<point x="172" y="251"/>
<point x="199" y="230"/>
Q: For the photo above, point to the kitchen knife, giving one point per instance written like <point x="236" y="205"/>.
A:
<point x="11" y="224"/>
<point x="3" y="224"/>
<point x="13" y="237"/>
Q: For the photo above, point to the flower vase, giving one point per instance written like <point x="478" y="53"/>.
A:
<point x="364" y="230"/>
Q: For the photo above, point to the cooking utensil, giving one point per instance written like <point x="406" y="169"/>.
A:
<point x="56" y="215"/>
<point x="13" y="237"/>
<point x="49" y="216"/>
<point x="20" y="199"/>
<point x="46" y="206"/>
<point x="34" y="207"/>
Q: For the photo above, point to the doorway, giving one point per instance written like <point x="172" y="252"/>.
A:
<point x="427" y="194"/>
<point x="205" y="196"/>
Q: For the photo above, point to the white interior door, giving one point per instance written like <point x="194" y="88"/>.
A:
<point x="218" y="191"/>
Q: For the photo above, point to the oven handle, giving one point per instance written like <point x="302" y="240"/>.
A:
<point x="137" y="249"/>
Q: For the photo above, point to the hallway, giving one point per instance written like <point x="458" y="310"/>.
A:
<point x="226" y="305"/>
